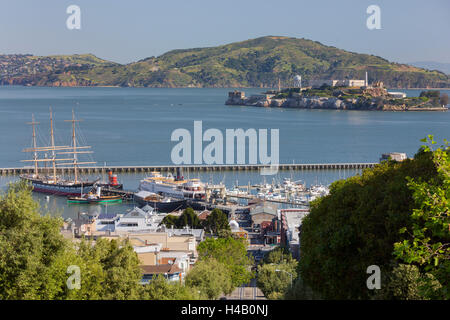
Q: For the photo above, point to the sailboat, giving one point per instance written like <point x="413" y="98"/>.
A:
<point x="51" y="183"/>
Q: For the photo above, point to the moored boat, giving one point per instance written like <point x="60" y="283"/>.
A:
<point x="52" y="183"/>
<point x="91" y="198"/>
<point x="158" y="202"/>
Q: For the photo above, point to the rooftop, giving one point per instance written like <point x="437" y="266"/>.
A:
<point x="161" y="268"/>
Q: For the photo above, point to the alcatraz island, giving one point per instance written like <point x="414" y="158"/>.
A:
<point x="349" y="94"/>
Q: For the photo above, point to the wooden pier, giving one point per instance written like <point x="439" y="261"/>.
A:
<point x="192" y="168"/>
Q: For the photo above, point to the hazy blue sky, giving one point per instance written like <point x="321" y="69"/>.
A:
<point x="126" y="31"/>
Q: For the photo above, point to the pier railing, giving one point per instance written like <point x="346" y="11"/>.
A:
<point x="191" y="168"/>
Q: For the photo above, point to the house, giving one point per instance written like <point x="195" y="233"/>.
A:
<point x="199" y="234"/>
<point x="170" y="271"/>
<point x="135" y="220"/>
<point x="106" y="223"/>
<point x="168" y="241"/>
<point x="148" y="254"/>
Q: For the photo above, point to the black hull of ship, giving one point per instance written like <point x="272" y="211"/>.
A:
<point x="60" y="189"/>
<point x="164" y="207"/>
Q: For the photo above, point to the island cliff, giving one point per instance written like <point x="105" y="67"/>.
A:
<point x="342" y="98"/>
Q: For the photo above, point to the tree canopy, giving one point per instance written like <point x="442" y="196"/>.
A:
<point x="232" y="253"/>
<point x="359" y="222"/>
<point x="188" y="218"/>
<point x="217" y="221"/>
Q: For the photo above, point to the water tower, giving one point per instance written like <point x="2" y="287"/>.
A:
<point x="298" y="81"/>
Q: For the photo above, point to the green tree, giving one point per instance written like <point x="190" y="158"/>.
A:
<point x="217" y="221"/>
<point x="211" y="277"/>
<point x="187" y="218"/>
<point x="279" y="255"/>
<point x="406" y="282"/>
<point x="34" y="257"/>
<point x="120" y="265"/>
<point x="277" y="273"/>
<point x="161" y="289"/>
<point x="169" y="221"/>
<point x="356" y="226"/>
<point x="232" y="253"/>
<point x="30" y="247"/>
<point x="427" y="242"/>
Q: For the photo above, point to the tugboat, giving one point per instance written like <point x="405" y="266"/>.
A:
<point x="92" y="198"/>
<point x="51" y="183"/>
<point x="112" y="182"/>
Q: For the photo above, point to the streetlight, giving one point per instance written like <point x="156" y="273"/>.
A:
<point x="278" y="270"/>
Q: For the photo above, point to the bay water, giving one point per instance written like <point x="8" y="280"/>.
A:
<point x="133" y="126"/>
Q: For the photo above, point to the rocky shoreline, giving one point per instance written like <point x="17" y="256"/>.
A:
<point x="377" y="102"/>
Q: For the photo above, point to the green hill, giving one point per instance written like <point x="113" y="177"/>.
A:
<point x="253" y="63"/>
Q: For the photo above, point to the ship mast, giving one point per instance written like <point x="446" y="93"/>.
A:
<point x="53" y="145"/>
<point x="33" y="123"/>
<point x="57" y="149"/>
<point x="75" y="148"/>
<point x="74" y="145"/>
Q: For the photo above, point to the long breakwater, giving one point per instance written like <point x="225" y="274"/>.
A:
<point x="191" y="168"/>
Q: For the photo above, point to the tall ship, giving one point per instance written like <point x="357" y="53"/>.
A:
<point x="176" y="187"/>
<point x="45" y="180"/>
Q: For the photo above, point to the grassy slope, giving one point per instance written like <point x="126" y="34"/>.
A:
<point x="257" y="62"/>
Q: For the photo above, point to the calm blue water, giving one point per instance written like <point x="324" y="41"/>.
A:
<point x="132" y="126"/>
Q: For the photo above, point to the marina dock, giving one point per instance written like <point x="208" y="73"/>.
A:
<point x="191" y="168"/>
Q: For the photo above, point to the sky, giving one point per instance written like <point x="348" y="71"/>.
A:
<point x="127" y="31"/>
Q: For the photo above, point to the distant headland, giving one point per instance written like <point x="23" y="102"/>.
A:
<point x="259" y="62"/>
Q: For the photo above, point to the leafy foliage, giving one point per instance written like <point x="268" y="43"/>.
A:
<point x="187" y="218"/>
<point x="211" y="277"/>
<point x="216" y="221"/>
<point x="427" y="242"/>
<point x="232" y="253"/>
<point x="357" y="225"/>
<point x="34" y="257"/>
<point x="277" y="273"/>
<point x="161" y="289"/>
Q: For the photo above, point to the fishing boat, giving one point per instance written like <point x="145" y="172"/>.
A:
<point x="42" y="180"/>
<point x="94" y="198"/>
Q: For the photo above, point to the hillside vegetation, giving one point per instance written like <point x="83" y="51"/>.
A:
<point x="253" y="63"/>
